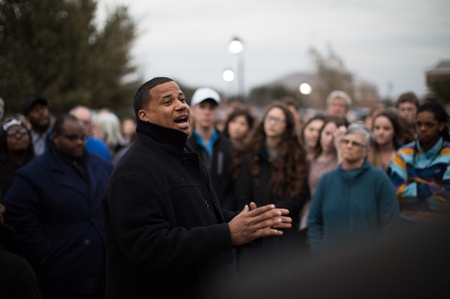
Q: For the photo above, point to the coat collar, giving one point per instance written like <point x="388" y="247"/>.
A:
<point x="351" y="174"/>
<point x="432" y="152"/>
<point x="57" y="162"/>
<point x="165" y="136"/>
<point x="63" y="171"/>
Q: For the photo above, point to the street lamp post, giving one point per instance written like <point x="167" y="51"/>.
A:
<point x="228" y="76"/>
<point x="236" y="47"/>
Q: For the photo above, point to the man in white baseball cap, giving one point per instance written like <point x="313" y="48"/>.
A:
<point x="213" y="148"/>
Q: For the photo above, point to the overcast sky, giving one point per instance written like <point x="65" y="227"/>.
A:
<point x="380" y="41"/>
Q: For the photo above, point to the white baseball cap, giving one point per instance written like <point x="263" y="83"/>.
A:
<point x="204" y="93"/>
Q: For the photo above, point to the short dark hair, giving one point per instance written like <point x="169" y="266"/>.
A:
<point x="142" y="95"/>
<point x="408" y="97"/>
<point x="61" y="120"/>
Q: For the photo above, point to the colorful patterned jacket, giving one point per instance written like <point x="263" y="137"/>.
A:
<point x="422" y="179"/>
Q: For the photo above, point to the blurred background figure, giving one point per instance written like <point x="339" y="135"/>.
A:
<point x="214" y="148"/>
<point x="17" y="278"/>
<point x="388" y="133"/>
<point x="355" y="202"/>
<point x="325" y="158"/>
<point x="93" y="144"/>
<point x="107" y="128"/>
<point x="338" y="103"/>
<point x="233" y="106"/>
<point x="54" y="204"/>
<point x="272" y="169"/>
<point x="294" y="106"/>
<point x="238" y="126"/>
<point x="15" y="151"/>
<point x="420" y="170"/>
<point x="128" y="130"/>
<point x="36" y="112"/>
<point x="407" y="105"/>
<point x="131" y="139"/>
<point x="310" y="134"/>
<point x="368" y="120"/>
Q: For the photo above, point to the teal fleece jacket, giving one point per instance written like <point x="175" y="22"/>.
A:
<point x="351" y="205"/>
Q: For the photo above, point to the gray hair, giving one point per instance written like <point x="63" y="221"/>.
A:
<point x="338" y="94"/>
<point x="357" y="128"/>
<point x="110" y="125"/>
<point x="72" y="111"/>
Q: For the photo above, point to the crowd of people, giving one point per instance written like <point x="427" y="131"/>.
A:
<point x="171" y="204"/>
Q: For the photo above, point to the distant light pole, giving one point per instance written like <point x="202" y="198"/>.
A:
<point x="228" y="76"/>
<point x="305" y="89"/>
<point x="236" y="47"/>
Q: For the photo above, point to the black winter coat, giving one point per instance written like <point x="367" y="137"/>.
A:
<point x="165" y="232"/>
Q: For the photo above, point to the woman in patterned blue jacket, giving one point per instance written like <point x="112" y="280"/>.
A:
<point x="420" y="170"/>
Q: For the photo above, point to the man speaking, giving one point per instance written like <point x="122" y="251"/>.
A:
<point x="166" y="234"/>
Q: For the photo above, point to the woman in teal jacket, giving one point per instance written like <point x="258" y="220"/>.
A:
<point x="355" y="202"/>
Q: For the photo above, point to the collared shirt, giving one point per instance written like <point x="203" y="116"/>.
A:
<point x="39" y="141"/>
<point x="208" y="147"/>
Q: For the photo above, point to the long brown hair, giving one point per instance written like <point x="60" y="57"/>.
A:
<point x="289" y="168"/>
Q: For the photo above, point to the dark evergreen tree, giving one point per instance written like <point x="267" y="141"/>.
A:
<point x="53" y="49"/>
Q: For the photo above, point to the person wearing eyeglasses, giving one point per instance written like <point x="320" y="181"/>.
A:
<point x="355" y="202"/>
<point x="272" y="169"/>
<point x="16" y="150"/>
<point x="54" y="204"/>
<point x="420" y="170"/>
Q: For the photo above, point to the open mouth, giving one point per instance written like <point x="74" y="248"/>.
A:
<point x="181" y="120"/>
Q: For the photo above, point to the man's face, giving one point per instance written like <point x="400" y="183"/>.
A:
<point x="205" y="113"/>
<point x="353" y="147"/>
<point x="407" y="111"/>
<point x="38" y="116"/>
<point x="84" y="115"/>
<point x="338" y="107"/>
<point x="72" y="140"/>
<point x="167" y="108"/>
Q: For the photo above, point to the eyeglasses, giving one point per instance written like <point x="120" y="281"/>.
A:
<point x="75" y="137"/>
<point x="275" y="119"/>
<point x="12" y="133"/>
<point x="427" y="125"/>
<point x="352" y="143"/>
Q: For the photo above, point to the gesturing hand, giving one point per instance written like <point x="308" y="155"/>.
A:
<point x="253" y="223"/>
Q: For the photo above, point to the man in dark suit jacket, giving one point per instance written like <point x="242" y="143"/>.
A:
<point x="54" y="204"/>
